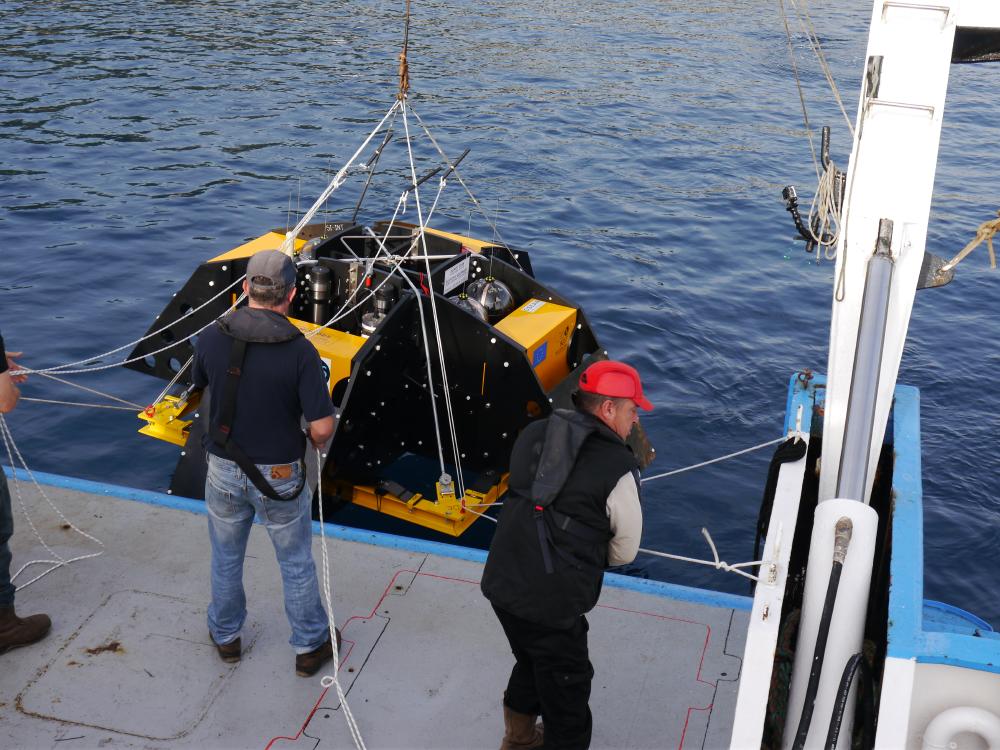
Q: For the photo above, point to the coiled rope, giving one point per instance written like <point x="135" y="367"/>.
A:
<point x="59" y="561"/>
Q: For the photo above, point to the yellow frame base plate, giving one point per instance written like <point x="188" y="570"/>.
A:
<point x="449" y="515"/>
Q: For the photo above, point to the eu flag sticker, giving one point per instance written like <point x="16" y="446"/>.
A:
<point x="540" y="353"/>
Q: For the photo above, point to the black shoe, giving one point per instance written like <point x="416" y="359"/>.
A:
<point x="308" y="664"/>
<point x="229" y="652"/>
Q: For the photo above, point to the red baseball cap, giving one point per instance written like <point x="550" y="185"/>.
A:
<point x="614" y="379"/>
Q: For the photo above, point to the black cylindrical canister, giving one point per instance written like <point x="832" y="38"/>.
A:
<point x="320" y="288"/>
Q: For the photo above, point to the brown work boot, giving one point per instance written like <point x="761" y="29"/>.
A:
<point x="20" y="631"/>
<point x="308" y="664"/>
<point x="229" y="652"/>
<point x="520" y="731"/>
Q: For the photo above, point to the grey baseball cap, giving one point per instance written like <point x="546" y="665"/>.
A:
<point x="270" y="269"/>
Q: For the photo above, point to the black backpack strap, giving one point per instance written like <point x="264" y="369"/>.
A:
<point x="221" y="432"/>
<point x="546" y="515"/>
<point x="574" y="527"/>
<point x="544" y="538"/>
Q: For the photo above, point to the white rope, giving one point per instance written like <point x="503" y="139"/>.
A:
<point x="59" y="561"/>
<point x="798" y="86"/>
<point x="62" y="369"/>
<point x="91" y="390"/>
<point x="430" y="374"/>
<point x="336" y="182"/>
<point x="714" y="460"/>
<point x="481" y="515"/>
<point x="454" y="169"/>
<point x="77" y="403"/>
<point x="177" y="377"/>
<point x="344" y="311"/>
<point x="423" y="327"/>
<point x="715" y="562"/>
<point x="437" y="324"/>
<point x="824" y="208"/>
<point x="805" y="21"/>
<point x="452" y="430"/>
<point x="333" y="679"/>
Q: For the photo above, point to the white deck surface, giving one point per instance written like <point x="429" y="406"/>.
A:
<point x="129" y="663"/>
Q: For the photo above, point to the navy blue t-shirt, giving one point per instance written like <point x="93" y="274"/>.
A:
<point x="279" y="384"/>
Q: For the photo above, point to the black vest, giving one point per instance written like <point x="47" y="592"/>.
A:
<point x="566" y="488"/>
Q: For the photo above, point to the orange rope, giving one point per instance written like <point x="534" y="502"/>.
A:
<point x="404" y="67"/>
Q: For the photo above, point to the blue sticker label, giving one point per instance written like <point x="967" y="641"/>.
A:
<point x="540" y="353"/>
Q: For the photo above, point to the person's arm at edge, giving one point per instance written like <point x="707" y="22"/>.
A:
<point x="625" y="514"/>
<point x="320" y="431"/>
<point x="315" y="399"/>
<point x="9" y="393"/>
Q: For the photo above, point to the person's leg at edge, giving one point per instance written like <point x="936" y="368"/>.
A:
<point x="6" y="532"/>
<point x="14" y="631"/>
<point x="563" y="675"/>
<point x="521" y="694"/>
<point x="289" y="524"/>
<point x="230" y="518"/>
<point x="521" y="705"/>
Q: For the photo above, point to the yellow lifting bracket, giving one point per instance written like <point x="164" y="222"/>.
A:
<point x="163" y="419"/>
<point x="450" y="514"/>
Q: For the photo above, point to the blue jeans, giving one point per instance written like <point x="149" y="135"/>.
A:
<point x="232" y="502"/>
<point x="6" y="531"/>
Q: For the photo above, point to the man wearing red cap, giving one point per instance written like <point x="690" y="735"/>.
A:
<point x="572" y="510"/>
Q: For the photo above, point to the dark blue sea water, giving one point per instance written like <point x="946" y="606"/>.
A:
<point x="638" y="149"/>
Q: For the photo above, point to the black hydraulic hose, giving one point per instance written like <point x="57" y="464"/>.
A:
<point x="792" y="206"/>
<point x="840" y="705"/>
<point x="817" y="662"/>
<point x="842" y="538"/>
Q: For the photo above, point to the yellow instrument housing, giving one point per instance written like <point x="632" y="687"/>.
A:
<point x="544" y="330"/>
<point x="336" y="349"/>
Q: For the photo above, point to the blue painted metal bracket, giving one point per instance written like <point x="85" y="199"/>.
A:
<point x="907" y="637"/>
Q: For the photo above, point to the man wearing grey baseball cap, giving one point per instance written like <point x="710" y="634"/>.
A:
<point x="264" y="377"/>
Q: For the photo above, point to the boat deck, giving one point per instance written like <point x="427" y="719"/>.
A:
<point x="129" y="663"/>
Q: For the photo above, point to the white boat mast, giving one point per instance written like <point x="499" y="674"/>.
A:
<point x="889" y="184"/>
<point x="880" y="255"/>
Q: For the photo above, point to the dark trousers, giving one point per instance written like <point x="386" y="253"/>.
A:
<point x="6" y="531"/>
<point x="551" y="677"/>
